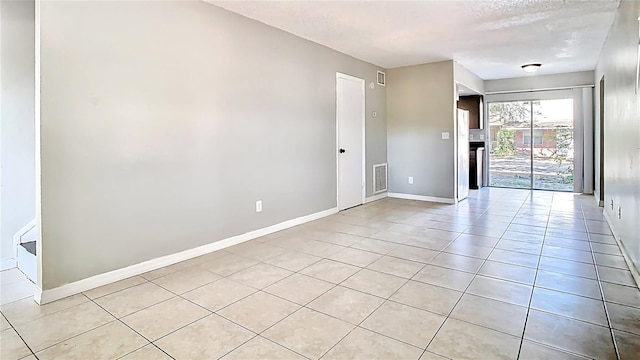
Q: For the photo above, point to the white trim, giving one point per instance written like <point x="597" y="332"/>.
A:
<point x="17" y="237"/>
<point x="375" y="197"/>
<point x="364" y="149"/>
<point x="76" y="287"/>
<point x="625" y="254"/>
<point x="38" y="156"/>
<point x="541" y="89"/>
<point x="422" y="198"/>
<point x="6" y="264"/>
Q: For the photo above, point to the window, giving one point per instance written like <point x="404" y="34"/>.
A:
<point x="537" y="137"/>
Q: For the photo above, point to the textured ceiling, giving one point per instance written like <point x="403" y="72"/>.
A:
<point x="490" y="38"/>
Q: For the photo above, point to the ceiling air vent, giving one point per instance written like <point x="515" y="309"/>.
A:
<point x="382" y="78"/>
<point x="379" y="178"/>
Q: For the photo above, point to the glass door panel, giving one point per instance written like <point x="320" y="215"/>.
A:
<point x="553" y="144"/>
<point x="509" y="149"/>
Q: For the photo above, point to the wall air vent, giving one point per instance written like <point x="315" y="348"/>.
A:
<point x="379" y="178"/>
<point x="382" y="78"/>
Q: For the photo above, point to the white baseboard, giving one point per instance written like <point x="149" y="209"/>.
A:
<point x="375" y="198"/>
<point x="76" y="287"/>
<point x="625" y="254"/>
<point x="6" y="264"/>
<point x="422" y="198"/>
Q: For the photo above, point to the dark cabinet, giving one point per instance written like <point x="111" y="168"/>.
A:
<point x="473" y="104"/>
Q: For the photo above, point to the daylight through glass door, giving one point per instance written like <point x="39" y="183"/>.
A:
<point x="531" y="144"/>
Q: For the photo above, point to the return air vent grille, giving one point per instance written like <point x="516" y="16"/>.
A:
<point x="379" y="178"/>
<point x="382" y="78"/>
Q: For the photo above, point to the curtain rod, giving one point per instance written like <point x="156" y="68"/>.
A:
<point x="536" y="90"/>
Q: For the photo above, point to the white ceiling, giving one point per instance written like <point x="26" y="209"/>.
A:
<point x="490" y="38"/>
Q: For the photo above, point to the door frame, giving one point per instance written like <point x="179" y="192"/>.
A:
<point x="337" y="147"/>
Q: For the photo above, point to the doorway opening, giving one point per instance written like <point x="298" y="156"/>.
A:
<point x="532" y="144"/>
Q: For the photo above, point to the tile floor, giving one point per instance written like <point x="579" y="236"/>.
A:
<point x="506" y="274"/>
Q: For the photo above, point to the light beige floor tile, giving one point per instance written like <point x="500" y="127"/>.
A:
<point x="413" y="253"/>
<point x="625" y="295"/>
<point x="460" y="340"/>
<point x="258" y="311"/>
<point x="628" y="345"/>
<point x="375" y="246"/>
<point x="509" y="272"/>
<point x="493" y="314"/>
<point x="54" y="328"/>
<point x="261" y="348"/>
<point x="335" y="238"/>
<point x="458" y="262"/>
<point x="164" y="271"/>
<point x="160" y="319"/>
<point x="355" y="257"/>
<point x="308" y="332"/>
<point x="476" y="240"/>
<point x="427" y="243"/>
<point x="299" y="288"/>
<point x="427" y="297"/>
<point x="569" y="305"/>
<point x="30" y="357"/>
<point x="401" y="322"/>
<point x="4" y="324"/>
<point x="331" y="271"/>
<point x="208" y="338"/>
<point x="431" y="356"/>
<point x="396" y="266"/>
<point x="507" y="291"/>
<point x="109" y="341"/>
<point x="114" y="287"/>
<point x="260" y="276"/>
<point x="27" y="310"/>
<point x="519" y="246"/>
<point x="318" y="248"/>
<point x="624" y="318"/>
<point x="611" y="249"/>
<point x="449" y="278"/>
<point x="617" y="276"/>
<point x="188" y="279"/>
<point x="15" y="291"/>
<point x="149" y="352"/>
<point x="228" y="264"/>
<point x="261" y="252"/>
<point x="374" y="283"/>
<point x="366" y="345"/>
<point x="293" y="260"/>
<point x="12" y="346"/>
<point x="514" y="257"/>
<point x="534" y="351"/>
<point x="465" y="249"/>
<point x="127" y="301"/>
<point x="346" y="304"/>
<point x="219" y="294"/>
<point x="567" y="283"/>
<point x="572" y="268"/>
<point x="571" y="335"/>
<point x="567" y="254"/>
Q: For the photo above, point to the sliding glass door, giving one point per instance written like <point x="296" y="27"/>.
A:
<point x="531" y="144"/>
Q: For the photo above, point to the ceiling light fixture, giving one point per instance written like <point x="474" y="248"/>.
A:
<point x="531" y="68"/>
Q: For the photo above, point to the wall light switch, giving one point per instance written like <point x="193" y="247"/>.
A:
<point x="481" y="136"/>
<point x="445" y="135"/>
<point x="410" y="179"/>
<point x="259" y="206"/>
<point x="470" y="136"/>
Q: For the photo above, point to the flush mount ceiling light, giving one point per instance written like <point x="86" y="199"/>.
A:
<point x="530" y="68"/>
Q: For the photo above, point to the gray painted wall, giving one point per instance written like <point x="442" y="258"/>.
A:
<point x="538" y="82"/>
<point x="622" y="127"/>
<point x="420" y="106"/>
<point x="157" y="139"/>
<point x="17" y="149"/>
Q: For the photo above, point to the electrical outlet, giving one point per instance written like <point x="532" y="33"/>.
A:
<point x="445" y="136"/>
<point x="259" y="206"/>
<point x="619" y="212"/>
<point x="481" y="136"/>
<point x="410" y="179"/>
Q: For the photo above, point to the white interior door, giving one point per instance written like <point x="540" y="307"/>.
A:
<point x="350" y="140"/>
